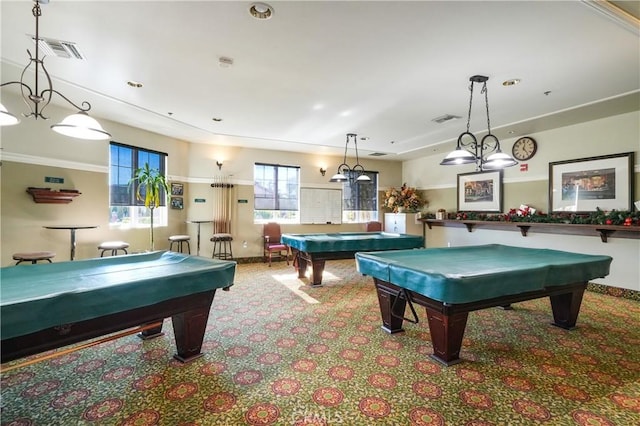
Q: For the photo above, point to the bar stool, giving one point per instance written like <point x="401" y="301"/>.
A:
<point x="179" y="240"/>
<point x="222" y="246"/>
<point x="33" y="257"/>
<point x="113" y="247"/>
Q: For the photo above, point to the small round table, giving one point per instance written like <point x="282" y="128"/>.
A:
<point x="199" y="222"/>
<point x="72" y="229"/>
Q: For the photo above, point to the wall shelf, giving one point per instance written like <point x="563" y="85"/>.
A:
<point x="604" y="231"/>
<point x="46" y="195"/>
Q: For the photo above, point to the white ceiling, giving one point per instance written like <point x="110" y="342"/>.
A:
<point x="318" y="70"/>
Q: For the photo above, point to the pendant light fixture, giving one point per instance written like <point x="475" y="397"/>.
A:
<point x="78" y="125"/>
<point x="487" y="154"/>
<point x="344" y="172"/>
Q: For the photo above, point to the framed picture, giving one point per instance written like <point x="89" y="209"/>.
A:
<point x="586" y="184"/>
<point x="177" y="189"/>
<point x="177" y="203"/>
<point x="480" y="191"/>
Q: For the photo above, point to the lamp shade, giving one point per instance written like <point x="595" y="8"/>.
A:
<point x="81" y="126"/>
<point x="458" y="156"/>
<point x="498" y="160"/>
<point x="6" y="118"/>
<point x="338" y="177"/>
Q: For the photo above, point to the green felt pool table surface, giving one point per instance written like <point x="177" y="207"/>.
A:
<point x="316" y="248"/>
<point x="38" y="301"/>
<point x="467" y="274"/>
<point x="451" y="282"/>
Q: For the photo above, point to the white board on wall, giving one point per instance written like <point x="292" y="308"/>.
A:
<point x="320" y="206"/>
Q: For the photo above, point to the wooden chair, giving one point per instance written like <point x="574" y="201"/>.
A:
<point x="373" y="226"/>
<point x="272" y="244"/>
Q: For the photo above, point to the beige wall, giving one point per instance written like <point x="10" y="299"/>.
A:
<point x="616" y="134"/>
<point x="32" y="151"/>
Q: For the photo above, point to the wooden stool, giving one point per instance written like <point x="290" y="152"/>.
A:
<point x="178" y="240"/>
<point x="113" y="247"/>
<point x="33" y="257"/>
<point x="222" y="246"/>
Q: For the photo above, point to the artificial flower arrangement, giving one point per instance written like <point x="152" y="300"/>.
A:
<point x="406" y="198"/>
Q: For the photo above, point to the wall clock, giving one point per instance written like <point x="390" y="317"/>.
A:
<point x="524" y="148"/>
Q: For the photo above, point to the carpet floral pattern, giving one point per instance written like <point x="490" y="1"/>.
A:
<point x="278" y="352"/>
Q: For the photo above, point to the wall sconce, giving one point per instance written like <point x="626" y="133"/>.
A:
<point x="219" y="164"/>
<point x="323" y="171"/>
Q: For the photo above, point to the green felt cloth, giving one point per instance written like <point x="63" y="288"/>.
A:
<point x="351" y="241"/>
<point x="36" y="297"/>
<point x="468" y="274"/>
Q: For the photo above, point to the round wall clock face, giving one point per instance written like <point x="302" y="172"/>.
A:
<point x="524" y="148"/>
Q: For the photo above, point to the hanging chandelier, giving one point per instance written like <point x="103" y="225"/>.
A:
<point x="78" y="125"/>
<point x="344" y="172"/>
<point x="487" y="154"/>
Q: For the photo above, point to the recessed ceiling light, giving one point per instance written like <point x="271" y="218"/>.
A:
<point x="135" y="84"/>
<point x="261" y="11"/>
<point x="217" y="119"/>
<point x="511" y="82"/>
<point x="364" y="138"/>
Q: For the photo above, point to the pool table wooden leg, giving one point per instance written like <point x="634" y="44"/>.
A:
<point x="152" y="333"/>
<point x="391" y="307"/>
<point x="446" y="335"/>
<point x="566" y="307"/>
<point x="189" y="328"/>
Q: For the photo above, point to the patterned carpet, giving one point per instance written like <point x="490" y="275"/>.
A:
<point x="279" y="352"/>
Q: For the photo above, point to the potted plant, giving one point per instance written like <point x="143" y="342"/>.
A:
<point x="150" y="186"/>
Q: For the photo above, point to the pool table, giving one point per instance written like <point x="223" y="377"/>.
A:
<point x="48" y="306"/>
<point x="315" y="249"/>
<point x="451" y="282"/>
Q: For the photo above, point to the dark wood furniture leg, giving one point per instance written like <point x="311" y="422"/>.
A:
<point x="391" y="307"/>
<point x="189" y="328"/>
<point x="566" y="307"/>
<point x="152" y="333"/>
<point x="446" y="335"/>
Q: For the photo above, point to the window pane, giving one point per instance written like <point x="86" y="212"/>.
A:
<point x="360" y="199"/>
<point x="123" y="161"/>
<point x="276" y="190"/>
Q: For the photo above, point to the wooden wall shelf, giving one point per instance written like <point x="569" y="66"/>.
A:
<point x="604" y="231"/>
<point x="46" y="195"/>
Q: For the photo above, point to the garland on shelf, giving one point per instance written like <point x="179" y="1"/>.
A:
<point x="526" y="214"/>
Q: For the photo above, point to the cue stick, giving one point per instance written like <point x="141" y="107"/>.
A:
<point x="79" y="347"/>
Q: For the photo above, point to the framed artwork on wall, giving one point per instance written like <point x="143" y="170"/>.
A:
<point x="586" y="184"/>
<point x="177" y="189"/>
<point x="480" y="191"/>
<point x="177" y="203"/>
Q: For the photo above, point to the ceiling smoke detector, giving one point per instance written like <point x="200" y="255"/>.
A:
<point x="261" y="11"/>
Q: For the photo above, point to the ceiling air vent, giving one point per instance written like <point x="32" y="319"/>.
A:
<point x="59" y="48"/>
<point x="446" y="117"/>
<point x="377" y="154"/>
